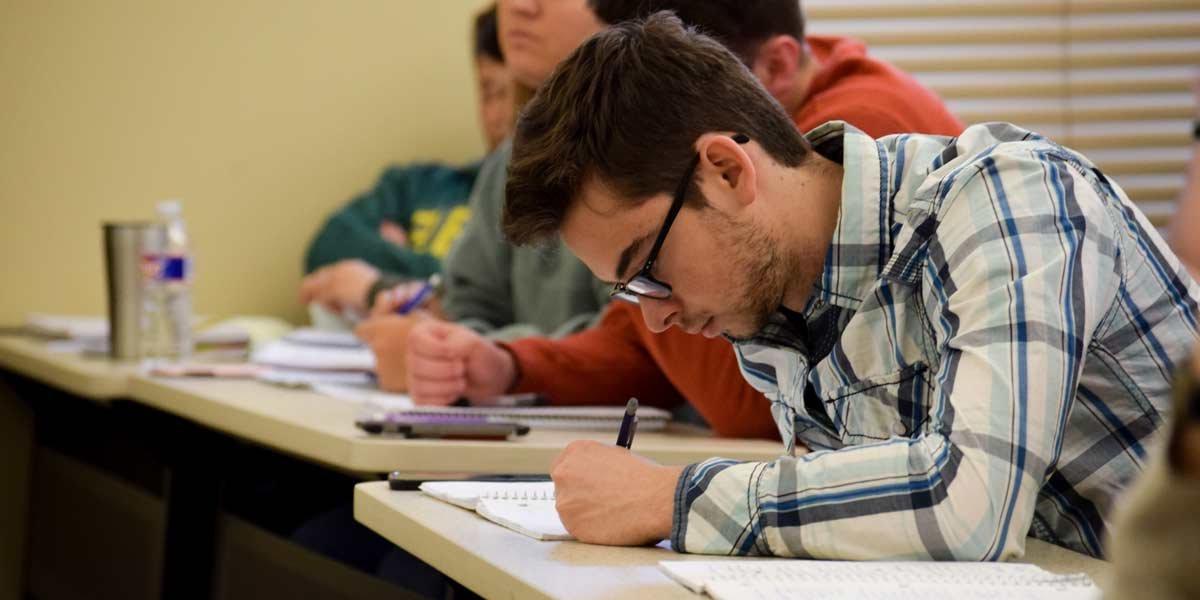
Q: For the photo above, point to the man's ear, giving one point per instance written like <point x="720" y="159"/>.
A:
<point x="726" y="171"/>
<point x="778" y="64"/>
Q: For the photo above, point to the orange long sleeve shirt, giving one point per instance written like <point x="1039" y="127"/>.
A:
<point x="620" y="357"/>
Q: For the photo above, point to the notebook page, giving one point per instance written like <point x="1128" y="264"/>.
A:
<point x="311" y="336"/>
<point x="760" y="579"/>
<point x="729" y="590"/>
<point x="537" y="519"/>
<point x="282" y="353"/>
<point x="468" y="493"/>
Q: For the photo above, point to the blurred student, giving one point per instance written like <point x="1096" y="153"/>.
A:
<point x="1184" y="238"/>
<point x="403" y="228"/>
<point x="1155" y="546"/>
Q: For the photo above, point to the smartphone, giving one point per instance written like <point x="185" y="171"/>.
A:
<point x="474" y="427"/>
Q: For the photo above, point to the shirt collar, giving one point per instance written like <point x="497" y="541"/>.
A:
<point x="860" y="246"/>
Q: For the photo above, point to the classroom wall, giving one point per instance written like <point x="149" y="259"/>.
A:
<point x="262" y="115"/>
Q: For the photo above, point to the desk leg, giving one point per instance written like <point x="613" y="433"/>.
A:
<point x="193" y="496"/>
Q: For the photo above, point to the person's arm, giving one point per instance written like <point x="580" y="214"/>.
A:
<point x="354" y="231"/>
<point x="604" y="365"/>
<point x="1013" y="311"/>
<point x="478" y="267"/>
<point x="1183" y="236"/>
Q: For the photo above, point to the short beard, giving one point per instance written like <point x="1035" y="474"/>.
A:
<point x="760" y="274"/>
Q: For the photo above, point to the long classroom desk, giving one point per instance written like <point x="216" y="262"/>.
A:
<point x="495" y="562"/>
<point x="321" y="429"/>
<point x="93" y="377"/>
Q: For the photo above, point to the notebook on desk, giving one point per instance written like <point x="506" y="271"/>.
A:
<point x="844" y="580"/>
<point x="524" y="507"/>
<point x="587" y="418"/>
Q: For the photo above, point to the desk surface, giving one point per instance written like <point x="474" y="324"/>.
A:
<point x="495" y="562"/>
<point x="321" y="428"/>
<point x="96" y="378"/>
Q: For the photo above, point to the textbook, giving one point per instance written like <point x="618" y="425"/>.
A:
<point x="847" y="580"/>
<point x="524" y="507"/>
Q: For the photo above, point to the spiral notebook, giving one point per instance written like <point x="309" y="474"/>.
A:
<point x="588" y="418"/>
<point x="843" y="580"/>
<point x="524" y="507"/>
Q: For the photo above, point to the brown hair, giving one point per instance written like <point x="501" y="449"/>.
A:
<point x="742" y="25"/>
<point x="626" y="108"/>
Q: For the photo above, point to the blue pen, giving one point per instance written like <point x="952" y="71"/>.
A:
<point x="417" y="300"/>
<point x="628" y="424"/>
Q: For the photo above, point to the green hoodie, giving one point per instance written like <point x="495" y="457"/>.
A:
<point x="428" y="200"/>
<point x="508" y="292"/>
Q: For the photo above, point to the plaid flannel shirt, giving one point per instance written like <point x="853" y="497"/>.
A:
<point x="987" y="352"/>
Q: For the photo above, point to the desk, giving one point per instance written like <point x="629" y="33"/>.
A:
<point x="495" y="562"/>
<point x="95" y="378"/>
<point x="321" y="429"/>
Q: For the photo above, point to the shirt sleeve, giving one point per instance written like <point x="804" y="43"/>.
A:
<point x="1016" y="275"/>
<point x="478" y="268"/>
<point x="603" y="365"/>
<point x="353" y="231"/>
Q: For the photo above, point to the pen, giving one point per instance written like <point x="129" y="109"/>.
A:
<point x="628" y="424"/>
<point x="419" y="298"/>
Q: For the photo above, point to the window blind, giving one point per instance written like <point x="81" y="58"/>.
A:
<point x="1110" y="78"/>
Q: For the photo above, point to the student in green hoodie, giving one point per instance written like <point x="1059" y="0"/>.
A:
<point x="403" y="228"/>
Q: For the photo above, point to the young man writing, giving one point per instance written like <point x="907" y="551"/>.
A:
<point x="975" y="335"/>
<point x="815" y="79"/>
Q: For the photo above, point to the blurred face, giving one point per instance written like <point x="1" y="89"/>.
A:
<point x="727" y="274"/>
<point x="495" y="100"/>
<point x="537" y="34"/>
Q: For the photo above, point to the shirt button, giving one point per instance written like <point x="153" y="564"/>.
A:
<point x="898" y="428"/>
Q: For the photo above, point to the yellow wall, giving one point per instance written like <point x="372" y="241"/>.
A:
<point x="262" y="115"/>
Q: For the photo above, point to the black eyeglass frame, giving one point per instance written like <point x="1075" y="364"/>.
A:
<point x="643" y="284"/>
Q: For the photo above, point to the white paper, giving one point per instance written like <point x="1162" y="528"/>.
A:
<point x="468" y="493"/>
<point x="311" y="336"/>
<point x="288" y="355"/>
<point x="768" y="579"/>
<point x="537" y="519"/>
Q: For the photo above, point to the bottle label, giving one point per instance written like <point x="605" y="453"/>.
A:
<point x="174" y="268"/>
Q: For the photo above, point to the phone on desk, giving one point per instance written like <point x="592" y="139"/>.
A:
<point x="473" y="427"/>
<point x="506" y="400"/>
<point x="400" y="481"/>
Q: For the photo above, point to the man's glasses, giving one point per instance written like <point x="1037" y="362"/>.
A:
<point x="643" y="284"/>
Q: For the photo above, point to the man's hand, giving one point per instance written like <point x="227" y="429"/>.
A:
<point x="447" y="361"/>
<point x="394" y="234"/>
<point x="388" y="338"/>
<point x="388" y="301"/>
<point x="607" y="495"/>
<point x="340" y="286"/>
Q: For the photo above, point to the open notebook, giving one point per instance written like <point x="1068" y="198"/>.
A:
<point x="842" y="580"/>
<point x="524" y="507"/>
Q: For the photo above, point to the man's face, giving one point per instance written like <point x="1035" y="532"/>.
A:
<point x="537" y="34"/>
<point x="495" y="100"/>
<point x="726" y="274"/>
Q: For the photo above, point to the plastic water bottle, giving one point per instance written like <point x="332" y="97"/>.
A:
<point x="168" y="293"/>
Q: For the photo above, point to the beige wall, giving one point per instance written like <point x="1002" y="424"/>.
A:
<point x="262" y="115"/>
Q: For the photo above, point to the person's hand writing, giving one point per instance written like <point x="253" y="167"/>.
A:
<point x="607" y="495"/>
<point x="388" y="301"/>
<point x="340" y="286"/>
<point x="447" y="361"/>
